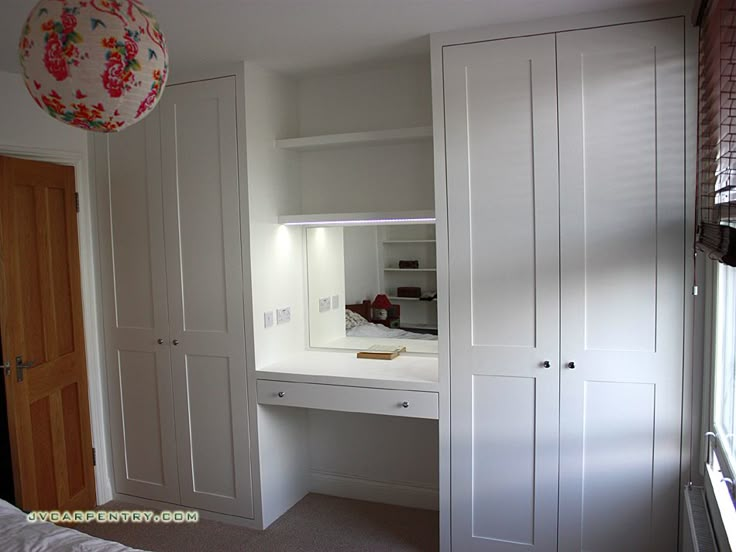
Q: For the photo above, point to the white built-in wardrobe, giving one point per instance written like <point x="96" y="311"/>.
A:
<point x="172" y="274"/>
<point x="565" y="190"/>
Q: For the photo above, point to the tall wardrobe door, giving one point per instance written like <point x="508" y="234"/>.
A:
<point x="131" y="233"/>
<point x="622" y="208"/>
<point x="501" y="140"/>
<point x="204" y="264"/>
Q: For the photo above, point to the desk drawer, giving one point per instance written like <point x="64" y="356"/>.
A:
<point x="390" y="402"/>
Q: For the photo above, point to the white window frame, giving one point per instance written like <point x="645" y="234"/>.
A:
<point x="720" y="495"/>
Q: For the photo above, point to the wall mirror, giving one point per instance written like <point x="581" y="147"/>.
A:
<point x="373" y="285"/>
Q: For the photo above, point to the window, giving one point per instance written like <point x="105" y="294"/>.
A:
<point x="724" y="360"/>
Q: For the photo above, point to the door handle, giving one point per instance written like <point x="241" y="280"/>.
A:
<point x="6" y="368"/>
<point x="20" y="366"/>
<point x="571" y="365"/>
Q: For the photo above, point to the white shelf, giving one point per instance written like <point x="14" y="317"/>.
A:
<point x="409" y="241"/>
<point x="410" y="269"/>
<point x="418" y="373"/>
<point x="371" y="138"/>
<point x="359" y="219"/>
<point x="393" y="298"/>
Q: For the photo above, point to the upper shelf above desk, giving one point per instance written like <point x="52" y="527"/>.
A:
<point x="406" y="372"/>
<point x="349" y="139"/>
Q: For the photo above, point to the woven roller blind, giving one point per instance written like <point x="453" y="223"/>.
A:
<point x="717" y="132"/>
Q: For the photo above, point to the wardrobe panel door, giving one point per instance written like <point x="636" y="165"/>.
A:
<point x="501" y="141"/>
<point x="131" y="231"/>
<point x="203" y="249"/>
<point x="622" y="243"/>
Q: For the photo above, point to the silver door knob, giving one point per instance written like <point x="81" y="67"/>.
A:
<point x="571" y="365"/>
<point x="6" y="368"/>
<point x="546" y="364"/>
<point x="160" y="341"/>
<point x="175" y="342"/>
<point x="282" y="394"/>
<point x="405" y="404"/>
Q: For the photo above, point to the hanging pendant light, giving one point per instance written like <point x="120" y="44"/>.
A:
<point x="98" y="65"/>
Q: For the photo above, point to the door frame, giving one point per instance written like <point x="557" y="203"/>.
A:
<point x="91" y="299"/>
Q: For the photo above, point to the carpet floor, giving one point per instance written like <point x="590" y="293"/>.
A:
<point x="317" y="523"/>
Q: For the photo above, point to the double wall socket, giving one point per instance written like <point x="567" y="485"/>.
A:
<point x="283" y="315"/>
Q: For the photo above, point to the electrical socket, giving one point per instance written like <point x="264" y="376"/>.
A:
<point x="324" y="304"/>
<point x="283" y="315"/>
<point x="335" y="301"/>
<point x="268" y="319"/>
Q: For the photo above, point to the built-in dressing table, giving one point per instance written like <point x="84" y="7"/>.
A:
<point x="331" y="380"/>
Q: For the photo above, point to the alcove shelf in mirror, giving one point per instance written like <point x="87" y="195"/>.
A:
<point x="351" y="139"/>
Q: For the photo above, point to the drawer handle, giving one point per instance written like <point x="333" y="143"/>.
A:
<point x="281" y="394"/>
<point x="405" y="404"/>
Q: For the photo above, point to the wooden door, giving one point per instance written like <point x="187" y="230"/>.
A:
<point x="136" y="311"/>
<point x="501" y="141"/>
<point x="205" y="288"/>
<point x="622" y="205"/>
<point x="41" y="324"/>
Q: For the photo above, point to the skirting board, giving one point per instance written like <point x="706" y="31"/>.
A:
<point x="374" y="491"/>
<point x="204" y="514"/>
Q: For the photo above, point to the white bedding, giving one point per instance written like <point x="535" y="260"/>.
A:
<point x="379" y="330"/>
<point x="17" y="534"/>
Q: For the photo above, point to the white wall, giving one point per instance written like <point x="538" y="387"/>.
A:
<point x="25" y="125"/>
<point x="362" y="265"/>
<point x="326" y="275"/>
<point x="277" y="275"/>
<point x="379" y="178"/>
<point x="277" y="257"/>
<point x="26" y="131"/>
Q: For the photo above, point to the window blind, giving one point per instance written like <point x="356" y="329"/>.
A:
<point x="716" y="195"/>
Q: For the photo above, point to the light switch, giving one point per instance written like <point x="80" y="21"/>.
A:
<point x="324" y="304"/>
<point x="268" y="319"/>
<point x="335" y="301"/>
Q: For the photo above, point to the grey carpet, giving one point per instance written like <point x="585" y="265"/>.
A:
<point x="318" y="523"/>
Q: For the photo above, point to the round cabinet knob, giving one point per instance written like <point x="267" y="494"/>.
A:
<point x="546" y="364"/>
<point x="175" y="342"/>
<point x="571" y="365"/>
<point x="160" y="341"/>
<point x="405" y="404"/>
<point x="282" y="394"/>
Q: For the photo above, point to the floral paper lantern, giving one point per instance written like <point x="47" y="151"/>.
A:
<point x="95" y="64"/>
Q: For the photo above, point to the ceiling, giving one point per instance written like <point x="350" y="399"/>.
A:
<point x="298" y="36"/>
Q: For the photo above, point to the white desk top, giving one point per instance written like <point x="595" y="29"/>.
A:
<point x="416" y="373"/>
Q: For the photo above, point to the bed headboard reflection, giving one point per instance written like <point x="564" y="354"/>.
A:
<point x="363" y="309"/>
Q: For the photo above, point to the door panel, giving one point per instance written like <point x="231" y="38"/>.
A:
<point x="501" y="140"/>
<point x="205" y="285"/>
<point x="622" y="283"/>
<point x="41" y="323"/>
<point x="134" y="295"/>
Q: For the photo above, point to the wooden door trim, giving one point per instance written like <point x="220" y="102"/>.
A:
<point x="91" y="302"/>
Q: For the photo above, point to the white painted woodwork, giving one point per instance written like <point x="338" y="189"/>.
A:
<point x="409" y="372"/>
<point x="348" y="139"/>
<point x="343" y="398"/>
<point x="205" y="292"/>
<point x="133" y="270"/>
<point x="501" y="144"/>
<point x="622" y="203"/>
